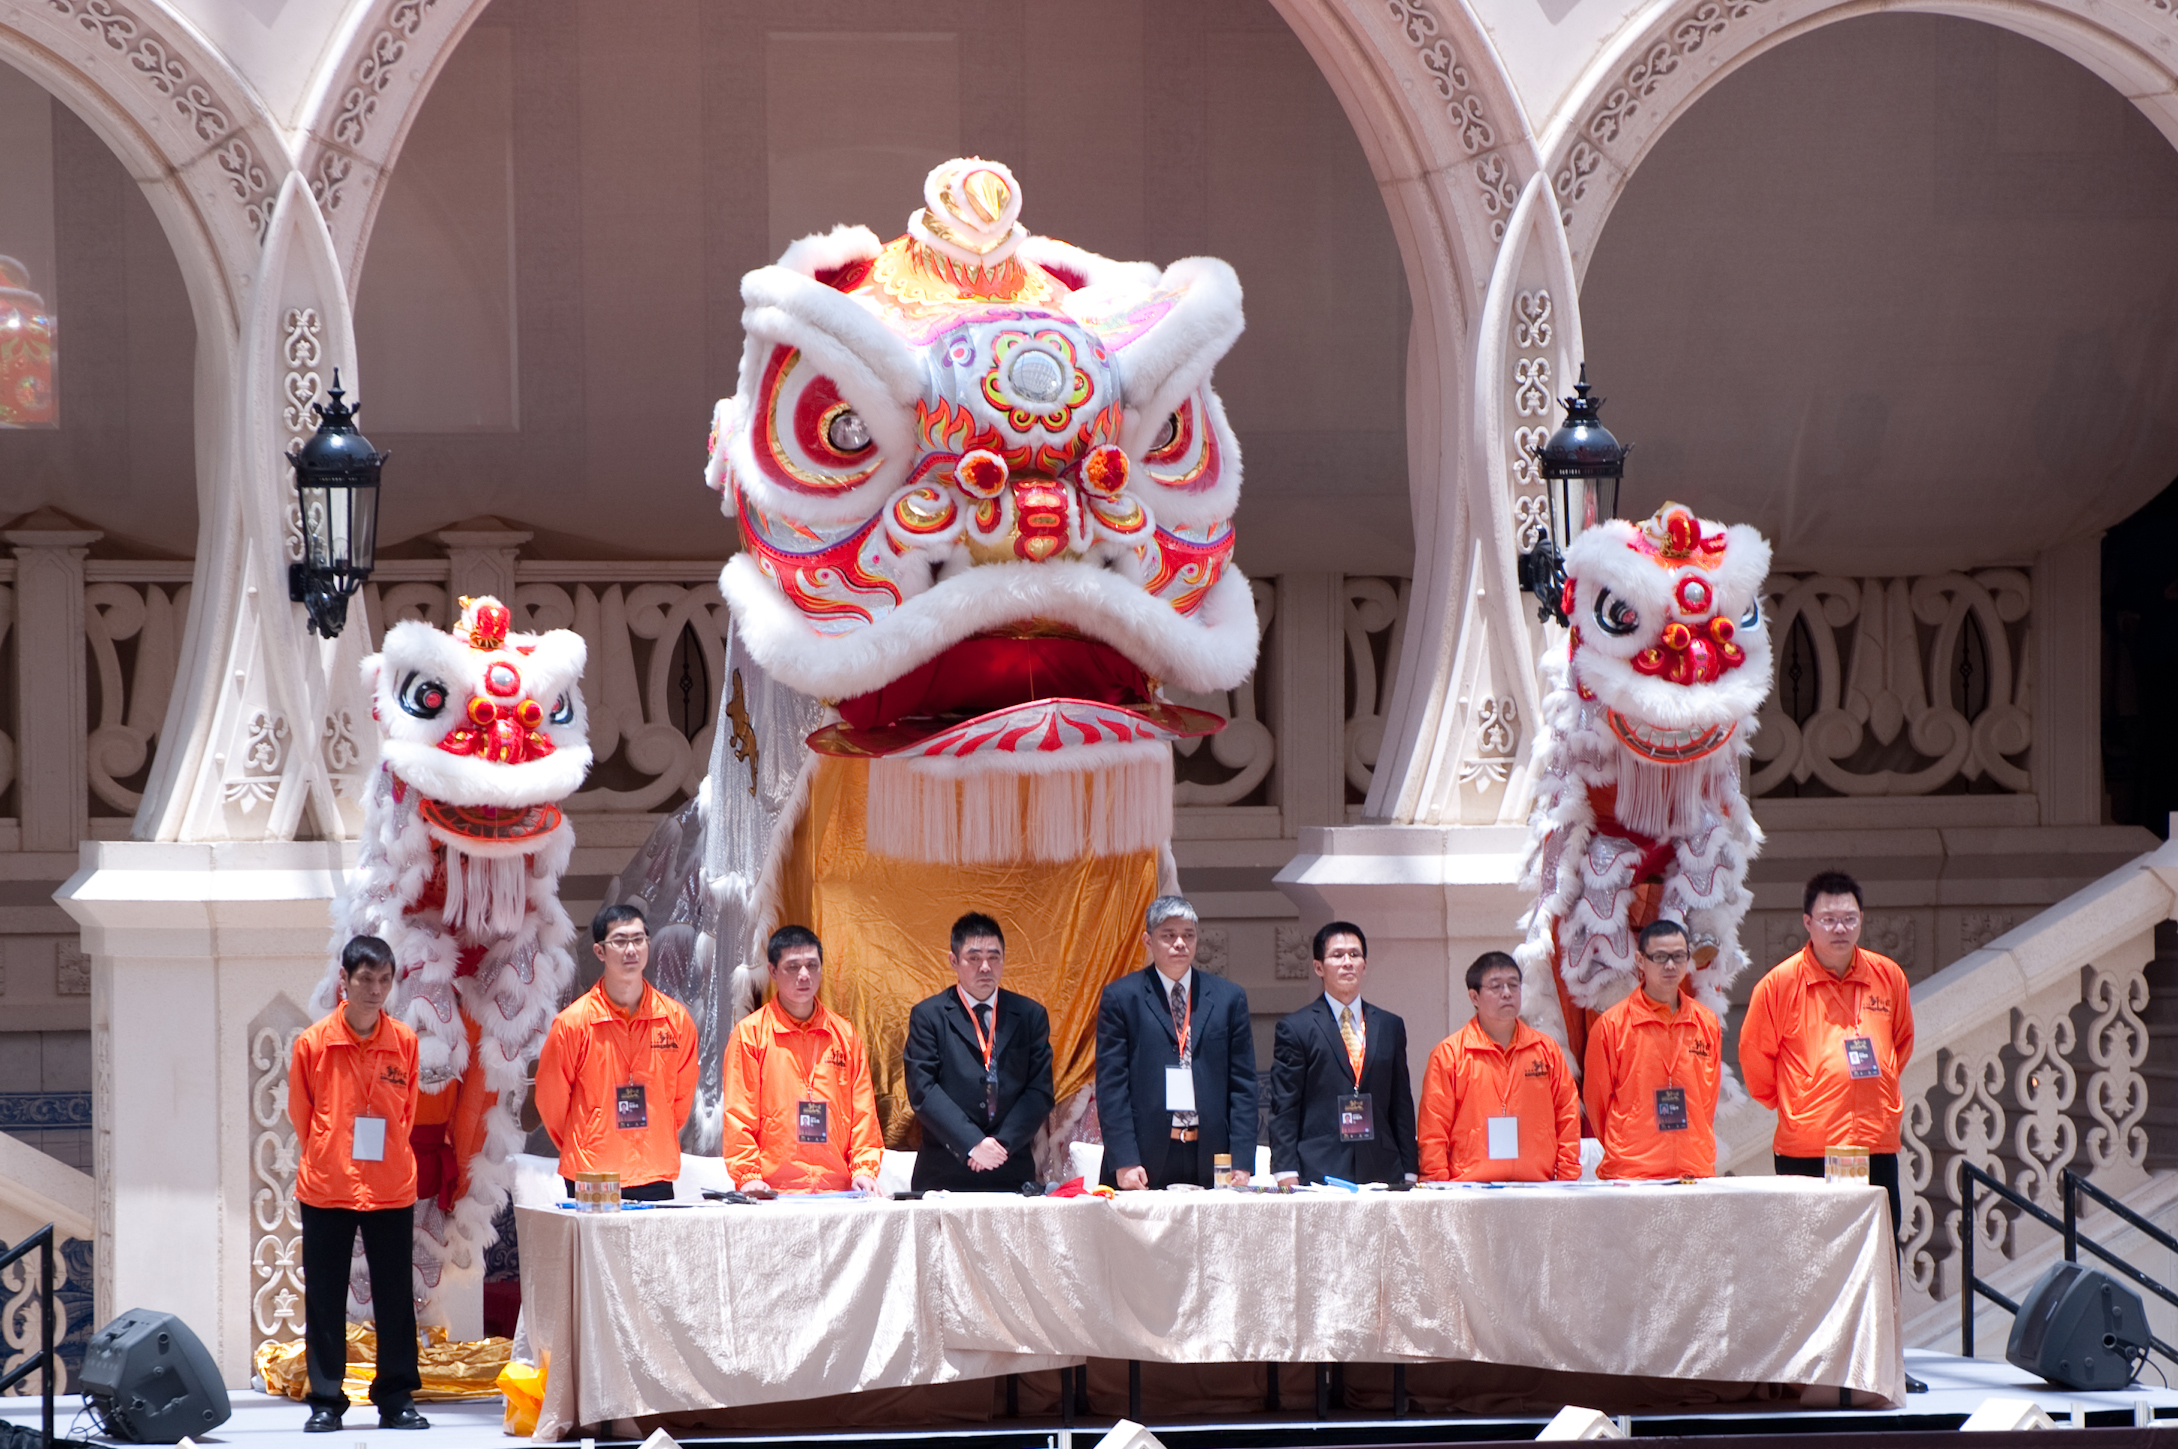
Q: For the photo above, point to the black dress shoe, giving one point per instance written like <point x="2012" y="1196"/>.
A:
<point x="322" y="1421"/>
<point x="404" y="1417"/>
<point x="1915" y="1386"/>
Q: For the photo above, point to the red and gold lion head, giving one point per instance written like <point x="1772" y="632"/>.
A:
<point x="984" y="487"/>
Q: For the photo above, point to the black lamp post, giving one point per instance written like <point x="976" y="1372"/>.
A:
<point x="336" y="484"/>
<point x="1581" y="452"/>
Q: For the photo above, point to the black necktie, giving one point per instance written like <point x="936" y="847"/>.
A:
<point x="990" y="1065"/>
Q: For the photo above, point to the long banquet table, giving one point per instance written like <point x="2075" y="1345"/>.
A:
<point x="1742" y="1280"/>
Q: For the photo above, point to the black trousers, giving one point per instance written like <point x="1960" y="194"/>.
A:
<point x="1183" y="1162"/>
<point x="648" y="1192"/>
<point x="1882" y="1172"/>
<point x="328" y="1246"/>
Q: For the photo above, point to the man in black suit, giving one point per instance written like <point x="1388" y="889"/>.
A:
<point x="978" y="1071"/>
<point x="1342" y="1104"/>
<point x="1175" y="1064"/>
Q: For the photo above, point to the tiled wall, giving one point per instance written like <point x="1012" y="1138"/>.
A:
<point x="45" y="1092"/>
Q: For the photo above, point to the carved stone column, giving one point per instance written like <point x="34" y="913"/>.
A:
<point x="481" y="560"/>
<point x="50" y="686"/>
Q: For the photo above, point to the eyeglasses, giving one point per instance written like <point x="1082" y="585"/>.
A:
<point x="1669" y="958"/>
<point x="627" y="943"/>
<point x="1838" y="923"/>
<point x="1504" y="986"/>
<point x="797" y="968"/>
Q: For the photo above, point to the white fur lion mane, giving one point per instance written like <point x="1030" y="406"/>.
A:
<point x="1647" y="713"/>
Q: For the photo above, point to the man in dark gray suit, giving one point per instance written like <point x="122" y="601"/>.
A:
<point x="1175" y="1064"/>
<point x="978" y="1071"/>
<point x="1342" y="1104"/>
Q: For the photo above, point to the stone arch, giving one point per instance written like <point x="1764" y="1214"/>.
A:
<point x="210" y="163"/>
<point x="1455" y="157"/>
<point x="1678" y="50"/>
<point x="365" y="99"/>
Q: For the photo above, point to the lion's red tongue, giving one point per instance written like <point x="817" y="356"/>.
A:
<point x="1011" y="694"/>
<point x="979" y="675"/>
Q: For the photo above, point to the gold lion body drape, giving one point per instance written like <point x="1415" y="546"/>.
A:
<point x="1072" y="927"/>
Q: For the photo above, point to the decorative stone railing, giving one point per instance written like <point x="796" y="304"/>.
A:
<point x="1897" y="686"/>
<point x="2054" y="1046"/>
<point x="94" y="646"/>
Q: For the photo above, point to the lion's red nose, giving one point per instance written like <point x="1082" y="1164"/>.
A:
<point x="504" y="734"/>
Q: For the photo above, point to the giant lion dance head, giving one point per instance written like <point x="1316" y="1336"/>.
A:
<point x="985" y="488"/>
<point x="1648" y="714"/>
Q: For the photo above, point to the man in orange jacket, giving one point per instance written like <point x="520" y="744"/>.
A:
<point x="1498" y="1103"/>
<point x="1827" y="1033"/>
<point x="801" y="1113"/>
<point x="351" y="1093"/>
<point x="1654" y="1064"/>
<point x="618" y="1074"/>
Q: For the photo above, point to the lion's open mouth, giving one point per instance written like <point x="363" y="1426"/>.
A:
<point x="1029" y="688"/>
<point x="1667" y="747"/>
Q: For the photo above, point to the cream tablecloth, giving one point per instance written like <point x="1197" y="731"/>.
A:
<point x="1745" y="1280"/>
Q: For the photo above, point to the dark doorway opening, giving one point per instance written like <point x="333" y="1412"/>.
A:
<point x="2140" y="666"/>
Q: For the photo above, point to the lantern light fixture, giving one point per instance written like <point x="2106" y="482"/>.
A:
<point x="1581" y="465"/>
<point x="336" y="487"/>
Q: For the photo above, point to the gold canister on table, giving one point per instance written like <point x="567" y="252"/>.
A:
<point x="597" y="1192"/>
<point x="1221" y="1170"/>
<point x="1848" y="1165"/>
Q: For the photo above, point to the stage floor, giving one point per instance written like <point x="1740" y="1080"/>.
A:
<point x="1957" y="1387"/>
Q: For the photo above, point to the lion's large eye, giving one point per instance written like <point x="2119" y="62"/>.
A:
<point x="1166" y="434"/>
<point x="563" y="711"/>
<point x="847" y="433"/>
<point x="1614" y="615"/>
<point x="423" y="698"/>
<point x="1752" y="619"/>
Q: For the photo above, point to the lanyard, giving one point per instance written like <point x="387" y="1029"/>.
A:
<point x="363" y="1078"/>
<point x="1677" y="1039"/>
<point x="628" y="1037"/>
<point x="983" y="1040"/>
<point x="1509" y="1078"/>
<point x="1182" y="1019"/>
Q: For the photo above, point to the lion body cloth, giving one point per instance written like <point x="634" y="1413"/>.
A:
<point x="482" y="733"/>
<point x="1647" y="714"/>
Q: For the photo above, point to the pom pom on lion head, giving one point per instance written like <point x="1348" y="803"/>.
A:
<point x="1667" y="633"/>
<point x="488" y="725"/>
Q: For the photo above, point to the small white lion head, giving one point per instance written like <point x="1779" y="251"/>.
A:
<point x="1667" y="630"/>
<point x="482" y="718"/>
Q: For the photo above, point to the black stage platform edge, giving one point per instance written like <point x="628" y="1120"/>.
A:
<point x="2104" y="1429"/>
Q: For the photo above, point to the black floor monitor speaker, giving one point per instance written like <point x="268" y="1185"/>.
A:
<point x="2080" y="1330"/>
<point x="151" y="1380"/>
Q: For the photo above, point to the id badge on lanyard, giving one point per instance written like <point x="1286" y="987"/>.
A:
<point x="810" y="1121"/>
<point x="1860" y="1058"/>
<point x="1180" y="1089"/>
<point x="630" y="1110"/>
<point x="1357" y="1117"/>
<point x="1671" y="1109"/>
<point x="369" y="1144"/>
<point x="1504" y="1139"/>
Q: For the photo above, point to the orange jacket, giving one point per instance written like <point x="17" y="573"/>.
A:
<point x="593" y="1050"/>
<point x="1634" y="1050"/>
<point x="773" y="1063"/>
<point x="334" y="1077"/>
<point x="1792" y="1052"/>
<point x="1471" y="1079"/>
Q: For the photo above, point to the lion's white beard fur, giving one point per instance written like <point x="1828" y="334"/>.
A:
<point x="510" y="905"/>
<point x="1585" y="880"/>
